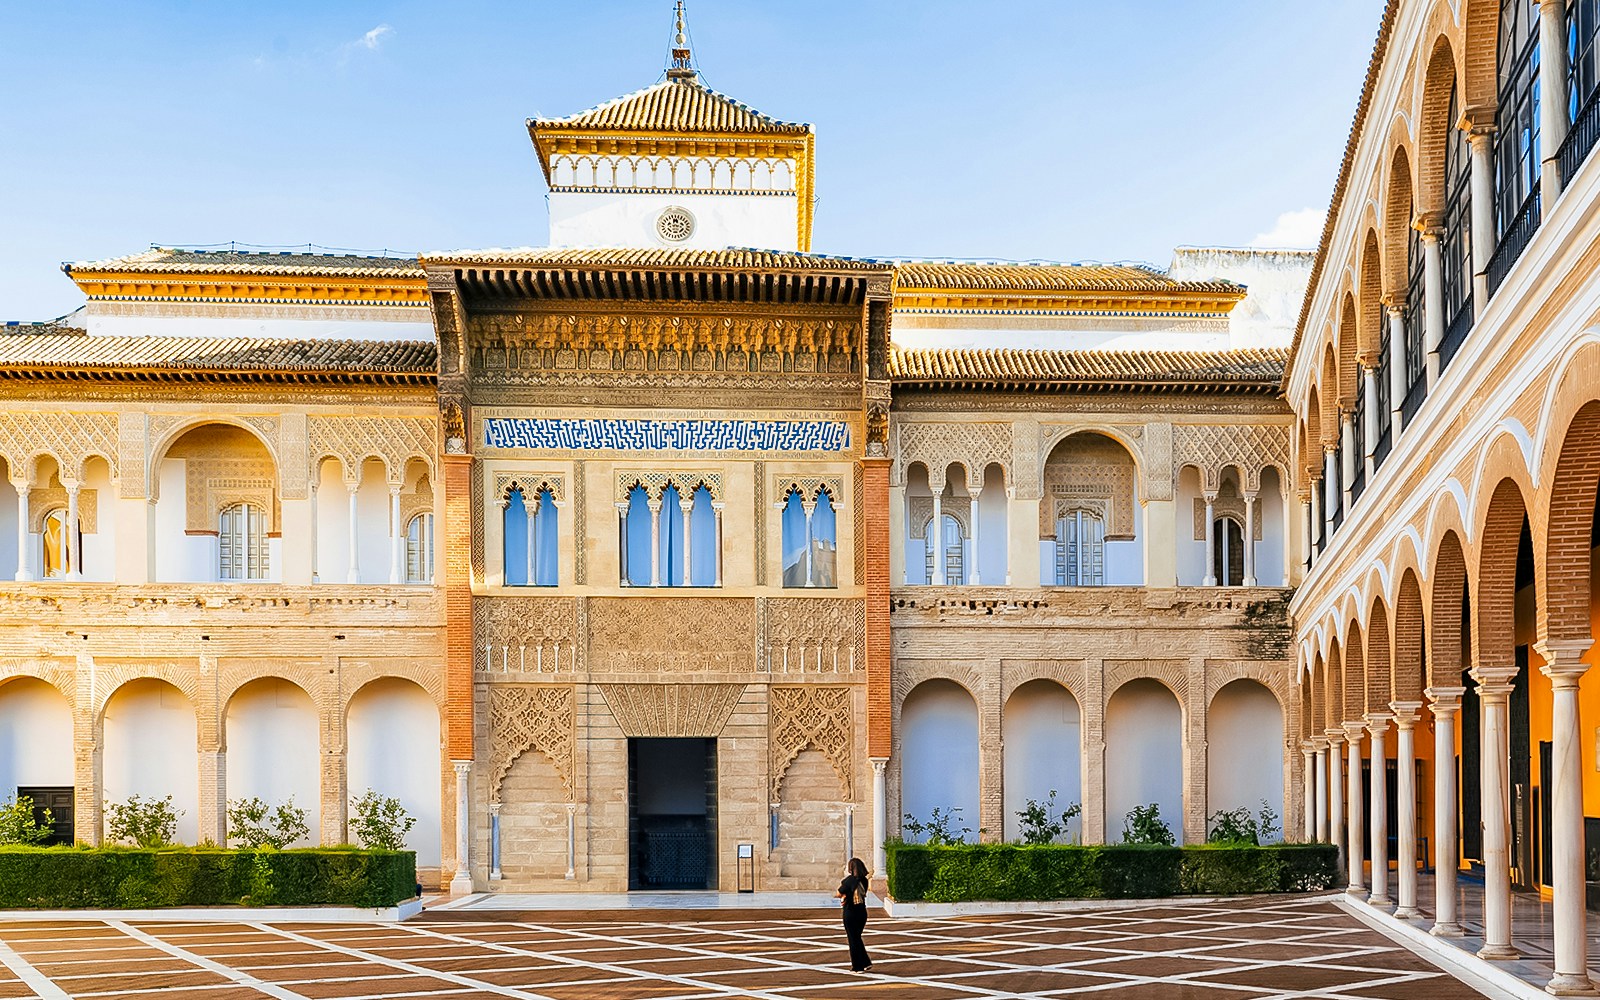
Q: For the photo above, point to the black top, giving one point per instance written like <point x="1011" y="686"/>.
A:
<point x="848" y="889"/>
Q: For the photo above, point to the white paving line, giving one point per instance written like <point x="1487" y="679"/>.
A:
<point x="35" y="980"/>
<point x="242" y="978"/>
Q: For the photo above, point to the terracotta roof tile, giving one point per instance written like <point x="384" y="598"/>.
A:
<point x="677" y="106"/>
<point x="1116" y="278"/>
<point x="161" y="260"/>
<point x="1254" y="368"/>
<point x="732" y="258"/>
<point x="80" y="351"/>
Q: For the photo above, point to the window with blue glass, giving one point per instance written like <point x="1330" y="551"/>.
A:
<point x="810" y="540"/>
<point x="669" y="536"/>
<point x="1455" y="238"/>
<point x="529" y="535"/>
<point x="1516" y="137"/>
<point x="1583" y="85"/>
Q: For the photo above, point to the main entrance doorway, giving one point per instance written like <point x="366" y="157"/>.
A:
<point x="672" y="813"/>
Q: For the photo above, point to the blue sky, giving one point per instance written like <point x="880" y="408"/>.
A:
<point x="1064" y="130"/>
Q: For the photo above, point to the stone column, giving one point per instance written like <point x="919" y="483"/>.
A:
<point x="1330" y="483"/>
<point x="1369" y="418"/>
<point x="461" y="882"/>
<point x="936" y="537"/>
<point x="572" y="841"/>
<point x="69" y="533"/>
<point x="354" y="575"/>
<point x="23" y="574"/>
<point x="1494" y="687"/>
<point x="1308" y="788"/>
<point x="1347" y="445"/>
<point x="315" y="532"/>
<point x="1553" y="70"/>
<point x="1444" y="703"/>
<point x="494" y="842"/>
<point x="1210" y="579"/>
<point x="975" y="572"/>
<point x="1309" y="507"/>
<point x="1565" y="667"/>
<point x="1483" y="235"/>
<point x="1432" y="295"/>
<point x="655" y="542"/>
<point x="1337" y="792"/>
<point x="810" y="509"/>
<point x="1405" y="721"/>
<point x="1322" y="791"/>
<point x="1399" y="360"/>
<point x="880" y="814"/>
<point x="396" y="537"/>
<point x="530" y="508"/>
<point x="1250" y="538"/>
<point x="716" y="509"/>
<point x="1353" y="850"/>
<point x="622" y="547"/>
<point x="1378" y="725"/>
<point x="686" y="507"/>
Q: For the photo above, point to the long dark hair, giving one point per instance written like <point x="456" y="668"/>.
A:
<point x="857" y="868"/>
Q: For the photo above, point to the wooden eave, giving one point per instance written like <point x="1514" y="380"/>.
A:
<point x="628" y="284"/>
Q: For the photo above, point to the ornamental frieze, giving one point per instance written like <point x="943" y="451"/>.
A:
<point x="610" y="434"/>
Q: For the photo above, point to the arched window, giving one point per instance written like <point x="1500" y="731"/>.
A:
<point x="810" y="541"/>
<point x="419" y="549"/>
<point x="242" y="543"/>
<point x="1227" y="561"/>
<point x="955" y="563"/>
<point x="1080" y="549"/>
<point x="1416" y="324"/>
<point x="637" y="560"/>
<point x="671" y="555"/>
<point x="530" y="540"/>
<point x="1455" y="242"/>
<point x="1516" y="137"/>
<point x="55" y="562"/>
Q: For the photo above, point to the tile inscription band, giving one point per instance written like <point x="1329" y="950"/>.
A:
<point x="666" y="435"/>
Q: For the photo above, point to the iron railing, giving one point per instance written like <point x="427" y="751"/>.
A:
<point x="1513" y="242"/>
<point x="1581" y="137"/>
<point x="1454" y="335"/>
<point x="1380" y="451"/>
<point x="1414" y="397"/>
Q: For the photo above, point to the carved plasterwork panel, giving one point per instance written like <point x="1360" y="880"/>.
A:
<point x="417" y="501"/>
<point x="213" y="484"/>
<point x="815" y="634"/>
<point x="516" y="623"/>
<point x="810" y="718"/>
<point x="655" y="483"/>
<point x="671" y="634"/>
<point x="71" y="437"/>
<point x="761" y="524"/>
<point x="1094" y="468"/>
<point x="973" y="446"/>
<point x="1212" y="447"/>
<point x="531" y="484"/>
<point x="525" y="717"/>
<point x="42" y="501"/>
<point x="394" y="440"/>
<point x="672" y="709"/>
<point x="960" y="508"/>
<point x="810" y="487"/>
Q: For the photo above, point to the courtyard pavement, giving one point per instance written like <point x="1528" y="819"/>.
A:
<point x="1255" y="948"/>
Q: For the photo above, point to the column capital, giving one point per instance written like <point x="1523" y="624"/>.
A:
<point x="1428" y="225"/>
<point x="1563" y="659"/>
<point x="1368" y="360"/>
<point x="462" y="767"/>
<point x="1308" y="746"/>
<point x="879" y="764"/>
<point x="1444" y="699"/>
<point x="1335" y="736"/>
<point x="654" y="505"/>
<point x="494" y="809"/>
<point x="1354" y="731"/>
<point x="1406" y="713"/>
<point x="1378" y="722"/>
<point x="1210" y="497"/>
<point x="1495" y="682"/>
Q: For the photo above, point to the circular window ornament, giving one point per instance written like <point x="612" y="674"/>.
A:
<point x="675" y="225"/>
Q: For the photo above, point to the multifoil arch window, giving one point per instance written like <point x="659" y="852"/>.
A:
<point x="530" y="536"/>
<point x="242" y="542"/>
<point x="1228" y="557"/>
<point x="55" y="558"/>
<point x="810" y="538"/>
<point x="670" y="530"/>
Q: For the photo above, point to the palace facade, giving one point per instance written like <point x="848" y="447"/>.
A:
<point x="630" y="558"/>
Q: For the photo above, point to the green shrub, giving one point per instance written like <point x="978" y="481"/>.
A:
<point x="940" y="829"/>
<point x="956" y="873"/>
<point x="1237" y="826"/>
<point x="142" y="823"/>
<point x="381" y="823"/>
<point x="1041" y="823"/>
<point x="17" y="823"/>
<point x="252" y="824"/>
<point x="116" y="877"/>
<point x="1143" y="825"/>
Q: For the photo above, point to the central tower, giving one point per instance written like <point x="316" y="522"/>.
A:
<point x="677" y="165"/>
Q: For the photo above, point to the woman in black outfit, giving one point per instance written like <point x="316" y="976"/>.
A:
<point x="853" y="901"/>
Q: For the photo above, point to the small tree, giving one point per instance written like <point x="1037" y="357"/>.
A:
<point x="18" y="825"/>
<point x="251" y="824"/>
<point x="1237" y="826"/>
<point x="381" y="823"/>
<point x="1041" y="824"/>
<point x="1143" y="825"/>
<point x="143" y="823"/>
<point x="938" y="831"/>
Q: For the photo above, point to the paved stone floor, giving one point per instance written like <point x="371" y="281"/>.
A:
<point x="1219" y="951"/>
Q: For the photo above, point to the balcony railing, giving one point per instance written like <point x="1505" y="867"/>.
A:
<point x="1414" y="397"/>
<point x="1454" y="335"/>
<point x="1580" y="138"/>
<point x="1513" y="242"/>
<point x="1380" y="451"/>
<point x="1358" y="482"/>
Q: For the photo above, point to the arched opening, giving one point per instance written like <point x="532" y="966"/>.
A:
<point x="217" y="508"/>
<point x="272" y="741"/>
<point x="1227" y="559"/>
<point x="1144" y="755"/>
<point x="1043" y="753"/>
<point x="939" y="754"/>
<point x="392" y="735"/>
<point x="533" y="820"/>
<point x="810" y="540"/>
<point x="530" y="536"/>
<point x="151" y="750"/>
<point x="36" y="751"/>
<point x="1244" y="749"/>
<point x="419" y="548"/>
<point x="1090" y="521"/>
<point x="242" y="543"/>
<point x="811" y="818"/>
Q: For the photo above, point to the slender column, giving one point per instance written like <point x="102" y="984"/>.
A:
<point x="1330" y="482"/>
<point x="69" y="533"/>
<point x="687" y="508"/>
<point x="880" y="813"/>
<point x="1347" y="444"/>
<point x="810" y="507"/>
<point x="530" y="509"/>
<point x="1405" y="721"/>
<point x="1353" y="851"/>
<point x="1369" y="418"/>
<point x="1211" y="542"/>
<point x="1308" y="788"/>
<point x="1250" y="538"/>
<point x="1322" y="792"/>
<point x="494" y="842"/>
<point x="1552" y="107"/>
<point x="1565" y="668"/>
<point x="1309" y="507"/>
<point x="1432" y="295"/>
<point x="1494" y="687"/>
<point x="396" y="557"/>
<point x="316" y="531"/>
<point x="23" y="574"/>
<point x="1336" y="791"/>
<point x="462" y="881"/>
<point x="655" y="543"/>
<point x="974" y="573"/>
<point x="572" y="840"/>
<point x="622" y="549"/>
<point x="1483" y="235"/>
<point x="716" y="508"/>
<point x="1398" y="362"/>
<point x="936" y="535"/>
<point x="1378" y="725"/>
<point x="1444" y="703"/>
<point x="354" y="575"/>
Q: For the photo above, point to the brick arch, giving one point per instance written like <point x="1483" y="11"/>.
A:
<point x="1279" y="683"/>
<point x="1447" y="598"/>
<point x="1333" y="677"/>
<point x="1406" y="660"/>
<point x="1380" y="672"/>
<point x="1433" y="125"/>
<point x="1563" y="574"/>
<point x="186" y="681"/>
<point x="1317" y="687"/>
<point x="906" y="681"/>
<point x="1397" y="215"/>
<point x="1069" y="678"/>
<point x="1481" y="29"/>
<point x="1369" y="318"/>
<point x="1330" y="388"/>
<point x="428" y="678"/>
<point x="58" y="677"/>
<point x="1311" y="438"/>
<point x="1355" y="672"/>
<point x="308" y="679"/>
<point x="1305" y="710"/>
<point x="1494" y="600"/>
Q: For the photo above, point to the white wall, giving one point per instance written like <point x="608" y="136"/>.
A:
<point x="628" y="219"/>
<point x="1042" y="752"/>
<point x="180" y="557"/>
<point x="992" y="528"/>
<point x="35" y="736"/>
<point x="8" y="528"/>
<point x="1191" y="554"/>
<point x="99" y="558"/>
<point x="1275" y="281"/>
<point x="387" y="323"/>
<point x="939" y="753"/>
<point x="1244" y="749"/>
<point x="915" y="330"/>
<point x="392" y="734"/>
<point x="150" y="750"/>
<point x="1269" y="550"/>
<point x="333" y="525"/>
<point x="372" y="505"/>
<point x="1144" y="755"/>
<point x="273" y="748"/>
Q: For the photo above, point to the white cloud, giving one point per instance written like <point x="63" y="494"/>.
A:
<point x="1301" y="230"/>
<point x="373" y="38"/>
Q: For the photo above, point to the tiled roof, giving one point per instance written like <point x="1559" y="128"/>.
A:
<point x="1249" y="369"/>
<point x="77" y="351"/>
<point x="161" y="261"/>
<point x="675" y="106"/>
<point x="1115" y="278"/>
<point x="624" y="257"/>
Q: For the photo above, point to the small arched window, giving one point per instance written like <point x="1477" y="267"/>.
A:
<point x="529" y="538"/>
<point x="419" y="549"/>
<point x="1080" y="550"/>
<point x="1227" y="560"/>
<point x="55" y="560"/>
<point x="810" y="541"/>
<point x="242" y="543"/>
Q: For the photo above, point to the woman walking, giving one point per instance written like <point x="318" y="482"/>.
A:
<point x="853" y="902"/>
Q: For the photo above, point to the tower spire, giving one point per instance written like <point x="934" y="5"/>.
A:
<point x="682" y="65"/>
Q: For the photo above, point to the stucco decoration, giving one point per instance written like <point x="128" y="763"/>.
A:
<point x="656" y="483"/>
<point x="1212" y="447"/>
<point x="394" y="440"/>
<point x="533" y="634"/>
<point x="973" y="446"/>
<point x="525" y="717"/>
<point x="72" y="438"/>
<point x="672" y="634"/>
<point x="42" y="502"/>
<point x="921" y="514"/>
<point x="810" y="488"/>
<point x="1227" y="504"/>
<point x="671" y="709"/>
<point x="1084" y="470"/>
<point x="810" y="718"/>
<point x="531" y="483"/>
<point x="815" y="634"/>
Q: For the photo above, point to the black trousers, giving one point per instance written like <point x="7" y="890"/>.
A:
<point x="855" y="921"/>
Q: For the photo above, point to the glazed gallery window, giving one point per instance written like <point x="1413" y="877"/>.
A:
<point x="419" y="549"/>
<point x="669" y="539"/>
<point x="1081" y="550"/>
<point x="810" y="541"/>
<point x="1227" y="561"/>
<point x="54" y="558"/>
<point x="528" y="527"/>
<point x="955" y="563"/>
<point x="242" y="543"/>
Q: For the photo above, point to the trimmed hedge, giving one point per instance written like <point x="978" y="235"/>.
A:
<point x="965" y="872"/>
<point x="122" y="877"/>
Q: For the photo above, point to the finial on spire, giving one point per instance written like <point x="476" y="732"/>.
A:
<point x="682" y="66"/>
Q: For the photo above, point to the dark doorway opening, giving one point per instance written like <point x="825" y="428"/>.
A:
<point x="57" y="799"/>
<point x="672" y="813"/>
